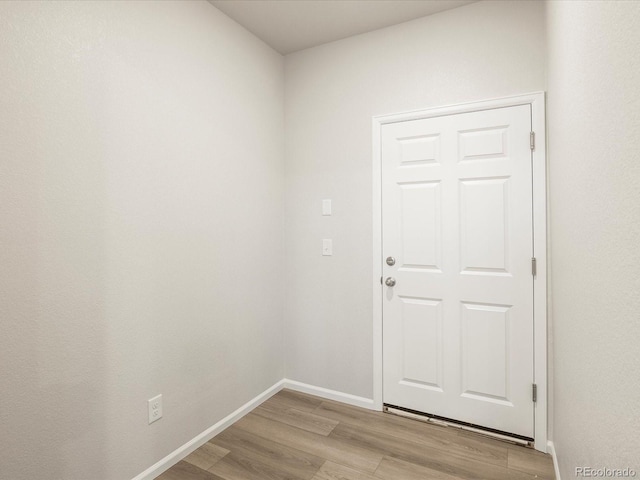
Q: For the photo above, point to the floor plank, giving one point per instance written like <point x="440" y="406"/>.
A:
<point x="206" y="456"/>
<point x="290" y="460"/>
<point x="334" y="449"/>
<point x="300" y="419"/>
<point x="237" y="466"/>
<point x="297" y="400"/>
<point x="532" y="462"/>
<point x="394" y="469"/>
<point x="335" y="471"/>
<point x="185" y="471"/>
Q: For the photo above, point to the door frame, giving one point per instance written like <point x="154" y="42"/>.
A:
<point x="537" y="102"/>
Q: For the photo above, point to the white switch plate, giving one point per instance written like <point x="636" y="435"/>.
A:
<point x="327" y="246"/>
<point x="155" y="409"/>
<point x="326" y="207"/>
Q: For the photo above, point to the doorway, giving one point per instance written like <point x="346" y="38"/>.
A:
<point x="460" y="252"/>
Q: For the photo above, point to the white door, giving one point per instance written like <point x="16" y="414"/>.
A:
<point x="457" y="219"/>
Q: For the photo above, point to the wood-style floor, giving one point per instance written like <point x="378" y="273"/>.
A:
<point x="294" y="436"/>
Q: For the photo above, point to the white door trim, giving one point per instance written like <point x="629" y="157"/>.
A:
<point x="537" y="102"/>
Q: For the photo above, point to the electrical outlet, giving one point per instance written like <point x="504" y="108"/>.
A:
<point x="327" y="247"/>
<point x="155" y="409"/>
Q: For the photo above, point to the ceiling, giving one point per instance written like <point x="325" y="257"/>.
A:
<point x="292" y="25"/>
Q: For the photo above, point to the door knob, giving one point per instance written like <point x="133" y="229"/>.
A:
<point x="391" y="261"/>
<point x="390" y="282"/>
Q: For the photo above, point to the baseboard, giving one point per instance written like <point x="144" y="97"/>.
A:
<point x="329" y="394"/>
<point x="195" y="443"/>
<point x="552" y="450"/>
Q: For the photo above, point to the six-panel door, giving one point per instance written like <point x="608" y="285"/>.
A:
<point x="457" y="217"/>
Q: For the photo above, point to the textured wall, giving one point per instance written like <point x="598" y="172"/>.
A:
<point x="594" y="140"/>
<point x="480" y="51"/>
<point x="141" y="219"/>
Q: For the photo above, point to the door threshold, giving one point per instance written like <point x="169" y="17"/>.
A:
<point x="447" y="422"/>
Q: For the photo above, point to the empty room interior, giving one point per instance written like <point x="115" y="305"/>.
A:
<point x="319" y="239"/>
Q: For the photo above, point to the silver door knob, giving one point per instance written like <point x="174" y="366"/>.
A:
<point x="390" y="282"/>
<point x="391" y="261"/>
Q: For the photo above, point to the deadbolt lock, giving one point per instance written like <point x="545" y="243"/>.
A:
<point x="391" y="261"/>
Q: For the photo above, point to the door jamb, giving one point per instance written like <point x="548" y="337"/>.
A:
<point x="537" y="102"/>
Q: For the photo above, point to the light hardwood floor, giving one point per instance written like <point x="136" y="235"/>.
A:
<point x="293" y="436"/>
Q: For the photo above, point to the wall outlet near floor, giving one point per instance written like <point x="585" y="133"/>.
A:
<point x="155" y="408"/>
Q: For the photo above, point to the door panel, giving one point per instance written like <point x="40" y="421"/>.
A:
<point x="420" y="217"/>
<point x="484" y="225"/>
<point x="457" y="216"/>
<point x="491" y="324"/>
<point x="422" y="336"/>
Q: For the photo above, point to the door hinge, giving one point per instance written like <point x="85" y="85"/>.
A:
<point x="532" y="140"/>
<point x="534" y="392"/>
<point x="534" y="266"/>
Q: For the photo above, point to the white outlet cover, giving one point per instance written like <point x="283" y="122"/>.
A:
<point x="327" y="247"/>
<point x="155" y="409"/>
<point x="326" y="207"/>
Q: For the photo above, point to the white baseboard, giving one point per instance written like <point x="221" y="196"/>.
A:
<point x="195" y="443"/>
<point x="552" y="450"/>
<point x="329" y="394"/>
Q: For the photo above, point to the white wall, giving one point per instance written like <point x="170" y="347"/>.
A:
<point x="484" y="50"/>
<point x="594" y="140"/>
<point x="141" y="221"/>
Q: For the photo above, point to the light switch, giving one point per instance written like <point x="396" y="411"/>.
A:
<point x="327" y="247"/>
<point x="326" y="207"/>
